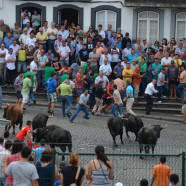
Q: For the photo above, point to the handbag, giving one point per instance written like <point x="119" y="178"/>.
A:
<point x="76" y="178"/>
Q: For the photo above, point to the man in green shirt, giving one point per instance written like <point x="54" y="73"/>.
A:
<point x="64" y="76"/>
<point x="143" y="71"/>
<point x="65" y="90"/>
<point x="27" y="84"/>
<point x="48" y="71"/>
<point x="34" y="83"/>
<point x="138" y="59"/>
<point x="84" y="69"/>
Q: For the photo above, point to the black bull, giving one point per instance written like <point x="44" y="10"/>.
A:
<point x="55" y="136"/>
<point x="39" y="121"/>
<point x="148" y="137"/>
<point x="131" y="123"/>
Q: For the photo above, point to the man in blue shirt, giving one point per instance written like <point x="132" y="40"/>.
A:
<point x="8" y="40"/>
<point x="129" y="98"/>
<point x="51" y="92"/>
<point x="38" y="151"/>
<point x="132" y="56"/>
<point x="157" y="68"/>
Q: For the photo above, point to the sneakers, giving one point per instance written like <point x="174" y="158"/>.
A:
<point x="49" y="111"/>
<point x="68" y="115"/>
<point x="52" y="113"/>
<point x="34" y="101"/>
<point x="159" y="101"/>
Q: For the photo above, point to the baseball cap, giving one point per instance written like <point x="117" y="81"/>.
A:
<point x="42" y="51"/>
<point x="119" y="184"/>
<point x="137" y="68"/>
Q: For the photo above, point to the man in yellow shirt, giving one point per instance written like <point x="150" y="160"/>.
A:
<point x="127" y="73"/>
<point x="42" y="38"/>
<point x="178" y="62"/>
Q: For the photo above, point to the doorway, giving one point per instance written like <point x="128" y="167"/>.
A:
<point x="70" y="14"/>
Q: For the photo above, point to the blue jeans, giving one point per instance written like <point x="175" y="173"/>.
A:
<point x="121" y="94"/>
<point x="44" y="47"/>
<point x="119" y="108"/>
<point x="31" y="95"/>
<point x="91" y="98"/>
<point x="65" y="100"/>
<point x="51" y="45"/>
<point x="180" y="90"/>
<point x="40" y="77"/>
<point x="64" y="62"/>
<point x="79" y="108"/>
<point x="21" y="66"/>
<point x="143" y="84"/>
<point x="160" y="89"/>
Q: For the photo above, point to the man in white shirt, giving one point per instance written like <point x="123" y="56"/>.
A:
<point x="103" y="78"/>
<point x="82" y="105"/>
<point x="23" y="37"/>
<point x="14" y="46"/>
<point x="107" y="70"/>
<point x="149" y="91"/>
<point x="30" y="41"/>
<point x="10" y="60"/>
<point x="101" y="32"/>
<point x="3" y="53"/>
<point x="107" y="56"/>
<point x="166" y="61"/>
<point x="126" y="51"/>
<point x="33" y="66"/>
<point x="64" y="33"/>
<point x="45" y="26"/>
<point x="64" y="52"/>
<point x="29" y="29"/>
<point x="25" y="17"/>
<point x="52" y="35"/>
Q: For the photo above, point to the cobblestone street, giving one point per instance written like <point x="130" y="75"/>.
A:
<point x="86" y="134"/>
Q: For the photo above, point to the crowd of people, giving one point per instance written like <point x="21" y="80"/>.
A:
<point x="65" y="60"/>
<point x="19" y="168"/>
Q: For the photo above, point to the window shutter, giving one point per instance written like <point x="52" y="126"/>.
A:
<point x="153" y="31"/>
<point x="142" y="29"/>
<point x="111" y="19"/>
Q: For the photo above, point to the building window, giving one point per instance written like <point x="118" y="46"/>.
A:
<point x="106" y="17"/>
<point x="180" y="26"/>
<point x="148" y="26"/>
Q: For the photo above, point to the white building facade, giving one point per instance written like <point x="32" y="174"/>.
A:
<point x="141" y="18"/>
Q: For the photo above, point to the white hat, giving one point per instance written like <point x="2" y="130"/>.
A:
<point x="118" y="184"/>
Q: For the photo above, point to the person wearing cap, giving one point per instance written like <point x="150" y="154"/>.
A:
<point x="144" y="43"/>
<point x="166" y="61"/>
<point x="34" y="84"/>
<point x="129" y="98"/>
<point x="149" y="91"/>
<point x="21" y="53"/>
<point x="138" y="59"/>
<point x="131" y="56"/>
<point x="109" y="32"/>
<point x="126" y="40"/>
<point x="52" y="36"/>
<point x="42" y="60"/>
<point x="157" y="68"/>
<point x="23" y="37"/>
<point x="172" y="78"/>
<point x="127" y="73"/>
<point x="136" y="82"/>
<point x="126" y="50"/>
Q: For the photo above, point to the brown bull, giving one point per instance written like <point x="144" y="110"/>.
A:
<point x="13" y="113"/>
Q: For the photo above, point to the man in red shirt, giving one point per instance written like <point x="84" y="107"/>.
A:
<point x="25" y="132"/>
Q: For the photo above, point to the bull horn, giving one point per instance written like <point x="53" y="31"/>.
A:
<point x="50" y="116"/>
<point x="163" y="127"/>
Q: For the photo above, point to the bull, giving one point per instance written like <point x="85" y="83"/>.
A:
<point x="13" y="113"/>
<point x="56" y="137"/>
<point x="148" y="137"/>
<point x="132" y="124"/>
<point x="39" y="121"/>
<point x="115" y="125"/>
